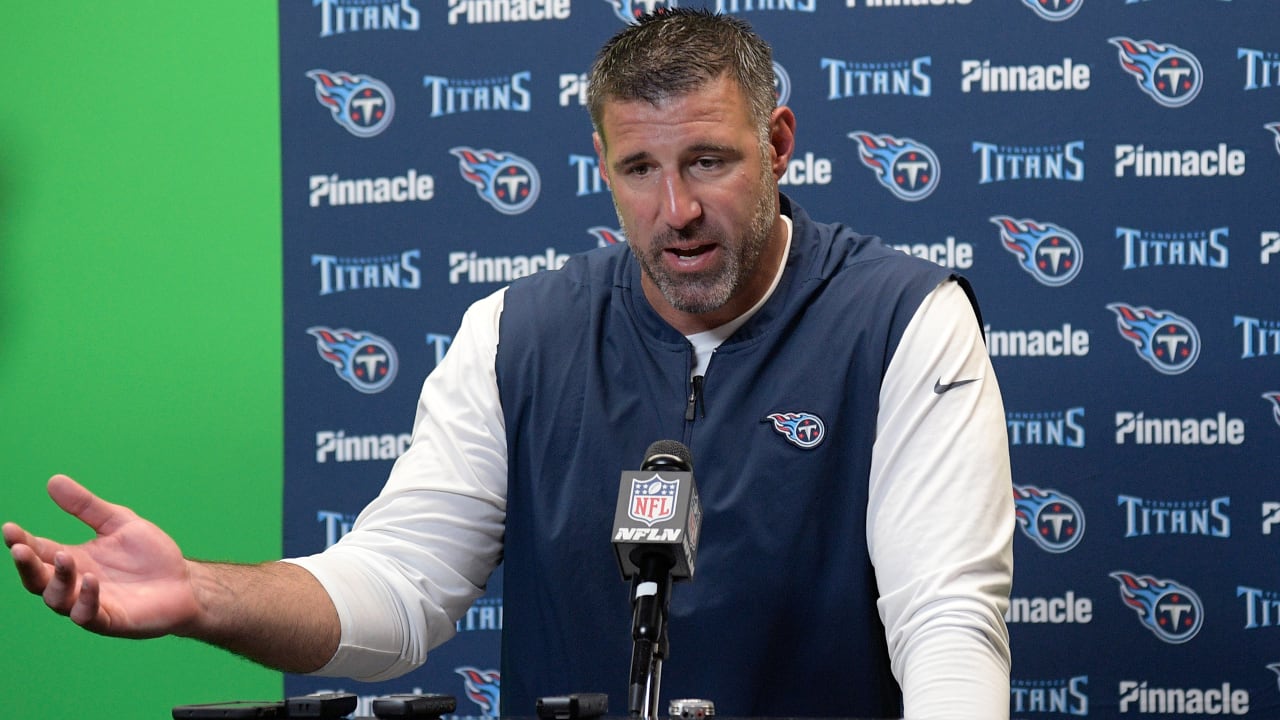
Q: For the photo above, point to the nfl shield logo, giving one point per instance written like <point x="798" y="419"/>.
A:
<point x="653" y="500"/>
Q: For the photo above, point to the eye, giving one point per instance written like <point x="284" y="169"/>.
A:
<point x="708" y="163"/>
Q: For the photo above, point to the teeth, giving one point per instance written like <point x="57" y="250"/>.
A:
<point x="692" y="252"/>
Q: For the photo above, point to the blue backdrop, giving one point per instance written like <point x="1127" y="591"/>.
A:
<point x="1104" y="171"/>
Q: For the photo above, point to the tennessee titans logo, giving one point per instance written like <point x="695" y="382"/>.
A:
<point x="1053" y="520"/>
<point x="507" y="182"/>
<point x="1275" y="128"/>
<point x="1051" y="254"/>
<point x="606" y="236"/>
<point x="804" y="430"/>
<point x="629" y="11"/>
<point x="781" y="84"/>
<point x="1054" y="10"/>
<point x="483" y="687"/>
<point x="359" y="103"/>
<point x="1167" y="608"/>
<point x="1274" y="398"/>
<point x="1275" y="668"/>
<point x="1169" y="342"/>
<point x="367" y="362"/>
<point x="653" y="500"/>
<point x="904" y="166"/>
<point x="1169" y="74"/>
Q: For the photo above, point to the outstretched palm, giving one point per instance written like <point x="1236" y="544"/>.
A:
<point x="129" y="581"/>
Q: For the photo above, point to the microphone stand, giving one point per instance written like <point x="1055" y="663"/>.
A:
<point x="650" y="598"/>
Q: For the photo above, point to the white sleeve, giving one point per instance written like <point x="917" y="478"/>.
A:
<point x="422" y="551"/>
<point x="940" y="516"/>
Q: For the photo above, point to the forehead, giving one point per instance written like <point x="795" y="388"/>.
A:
<point x="717" y="111"/>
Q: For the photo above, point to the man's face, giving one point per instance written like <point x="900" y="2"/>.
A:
<point x="697" y="199"/>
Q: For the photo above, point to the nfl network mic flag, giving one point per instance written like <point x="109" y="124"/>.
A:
<point x="657" y="509"/>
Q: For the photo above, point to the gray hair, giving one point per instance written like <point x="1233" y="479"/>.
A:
<point x="676" y="51"/>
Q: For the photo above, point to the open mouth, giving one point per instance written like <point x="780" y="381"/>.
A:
<point x="690" y="252"/>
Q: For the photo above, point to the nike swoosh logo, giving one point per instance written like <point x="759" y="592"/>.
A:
<point x="939" y="388"/>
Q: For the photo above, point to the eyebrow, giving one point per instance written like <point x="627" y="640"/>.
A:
<point x="632" y="158"/>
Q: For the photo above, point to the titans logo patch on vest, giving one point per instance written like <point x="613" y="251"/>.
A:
<point x="802" y="429"/>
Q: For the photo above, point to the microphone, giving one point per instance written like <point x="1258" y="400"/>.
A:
<point x="658" y="516"/>
<point x="655" y="537"/>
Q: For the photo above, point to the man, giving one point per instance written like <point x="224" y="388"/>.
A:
<point x="868" y="552"/>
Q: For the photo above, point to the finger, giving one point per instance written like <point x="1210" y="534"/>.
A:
<point x="14" y="535"/>
<point x="60" y="593"/>
<point x="44" y="549"/>
<point x="85" y="611"/>
<point x="33" y="571"/>
<point x="76" y="499"/>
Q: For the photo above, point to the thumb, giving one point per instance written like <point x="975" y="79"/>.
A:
<point x="77" y="500"/>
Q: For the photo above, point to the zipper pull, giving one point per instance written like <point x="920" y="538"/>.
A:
<point x="695" y="400"/>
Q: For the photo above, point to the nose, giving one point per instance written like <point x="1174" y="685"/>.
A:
<point x="679" y="204"/>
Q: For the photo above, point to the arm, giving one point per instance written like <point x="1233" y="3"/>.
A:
<point x="940" y="519"/>
<point x="132" y="581"/>
<point x="369" y="607"/>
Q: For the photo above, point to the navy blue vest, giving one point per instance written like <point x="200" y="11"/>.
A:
<point x="780" y="619"/>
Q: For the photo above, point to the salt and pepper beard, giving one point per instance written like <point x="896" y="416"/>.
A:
<point x="708" y="291"/>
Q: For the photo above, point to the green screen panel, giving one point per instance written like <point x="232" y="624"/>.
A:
<point x="139" y="318"/>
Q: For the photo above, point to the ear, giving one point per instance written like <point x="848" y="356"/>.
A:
<point x="598" y="144"/>
<point x="782" y="138"/>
